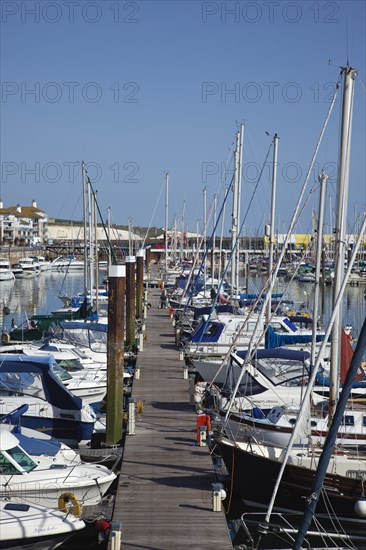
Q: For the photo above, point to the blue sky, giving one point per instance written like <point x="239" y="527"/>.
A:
<point x="136" y="89"/>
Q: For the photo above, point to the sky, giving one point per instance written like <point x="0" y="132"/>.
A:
<point x="136" y="89"/>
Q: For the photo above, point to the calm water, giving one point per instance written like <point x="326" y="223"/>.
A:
<point x="25" y="297"/>
<point x="353" y="306"/>
<point x="39" y="294"/>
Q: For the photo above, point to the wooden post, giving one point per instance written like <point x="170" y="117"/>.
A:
<point x="130" y="303"/>
<point x="115" y="353"/>
<point x="139" y="282"/>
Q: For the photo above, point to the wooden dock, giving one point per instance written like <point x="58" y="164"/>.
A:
<point x="164" y="495"/>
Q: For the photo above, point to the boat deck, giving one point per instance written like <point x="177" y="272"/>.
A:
<point x="164" y="495"/>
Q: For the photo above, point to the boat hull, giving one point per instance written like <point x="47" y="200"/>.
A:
<point x="254" y="476"/>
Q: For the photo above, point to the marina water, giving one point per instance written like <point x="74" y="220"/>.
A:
<point x="40" y="294"/>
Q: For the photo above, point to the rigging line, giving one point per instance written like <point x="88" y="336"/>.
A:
<point x="315" y="369"/>
<point x="103" y="224"/>
<point x="205" y="254"/>
<point x="153" y="214"/>
<point x="271" y="281"/>
<point x="230" y="260"/>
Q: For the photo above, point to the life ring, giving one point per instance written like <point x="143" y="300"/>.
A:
<point x="75" y="507"/>
<point x="5" y="338"/>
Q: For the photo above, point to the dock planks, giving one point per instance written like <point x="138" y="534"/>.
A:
<point x="164" y="496"/>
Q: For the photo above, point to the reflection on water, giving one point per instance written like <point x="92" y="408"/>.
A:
<point x="353" y="305"/>
<point x="25" y="297"/>
<point x="38" y="294"/>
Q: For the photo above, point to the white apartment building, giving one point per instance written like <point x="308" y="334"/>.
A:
<point x="25" y="225"/>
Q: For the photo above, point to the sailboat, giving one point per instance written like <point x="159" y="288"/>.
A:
<point x="282" y="480"/>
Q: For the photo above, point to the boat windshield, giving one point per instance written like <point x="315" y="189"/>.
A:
<point x="282" y="371"/>
<point x="70" y="365"/>
<point x="60" y="372"/>
<point x="21" y="383"/>
<point x="20" y="457"/>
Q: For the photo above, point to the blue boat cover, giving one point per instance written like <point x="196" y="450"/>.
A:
<point x="275" y="339"/>
<point x="17" y="373"/>
<point x="207" y="331"/>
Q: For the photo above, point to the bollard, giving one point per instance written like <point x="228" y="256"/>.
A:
<point x="202" y="436"/>
<point x="185" y="372"/>
<point x="218" y="494"/>
<point x="145" y="312"/>
<point x="116" y="535"/>
<point x="177" y="335"/>
<point x="131" y="416"/>
<point x="141" y="341"/>
<point x="137" y="373"/>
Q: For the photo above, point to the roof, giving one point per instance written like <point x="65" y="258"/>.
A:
<point x="26" y="212"/>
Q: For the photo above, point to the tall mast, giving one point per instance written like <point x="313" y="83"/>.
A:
<point x="214" y="236"/>
<point x="236" y="210"/>
<point x="166" y="221"/>
<point x="319" y="246"/>
<point x="85" y="202"/>
<point x="340" y="227"/>
<point x="204" y="237"/>
<point x="271" y="234"/>
<point x="109" y="235"/>
<point x="91" y="242"/>
<point x="95" y="219"/>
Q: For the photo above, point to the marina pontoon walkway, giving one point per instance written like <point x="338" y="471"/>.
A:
<point x="164" y="496"/>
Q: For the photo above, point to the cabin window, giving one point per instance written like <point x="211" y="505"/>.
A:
<point x="7" y="467"/>
<point x="60" y="372"/>
<point x="71" y="365"/>
<point x="364" y="420"/>
<point x="22" y="383"/>
<point x="348" y="420"/>
<point x="356" y="474"/>
<point x="22" y="459"/>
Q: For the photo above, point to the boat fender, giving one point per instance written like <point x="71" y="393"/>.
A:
<point x="5" y="338"/>
<point x="75" y="506"/>
<point x="360" y="507"/>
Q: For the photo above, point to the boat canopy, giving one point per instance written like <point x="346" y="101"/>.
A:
<point x="31" y="375"/>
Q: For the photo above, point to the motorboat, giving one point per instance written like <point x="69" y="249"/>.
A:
<point x="26" y="526"/>
<point x="52" y="408"/>
<point x="6" y="273"/>
<point x="41" y="480"/>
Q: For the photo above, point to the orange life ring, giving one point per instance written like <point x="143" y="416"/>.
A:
<point x="68" y="502"/>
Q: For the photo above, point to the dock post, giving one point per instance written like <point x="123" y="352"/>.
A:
<point x="115" y="535"/>
<point x="218" y="494"/>
<point x="115" y="353"/>
<point x="130" y="303"/>
<point x="141" y="341"/>
<point x="131" y="416"/>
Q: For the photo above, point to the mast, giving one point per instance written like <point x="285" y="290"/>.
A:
<point x="271" y="234"/>
<point x="319" y="245"/>
<point x="85" y="202"/>
<point x="204" y="238"/>
<point x="109" y="235"/>
<point x="235" y="222"/>
<point x="340" y="227"/>
<point x="91" y="243"/>
<point x="222" y="234"/>
<point x="96" y="251"/>
<point x="214" y="237"/>
<point x="166" y="221"/>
